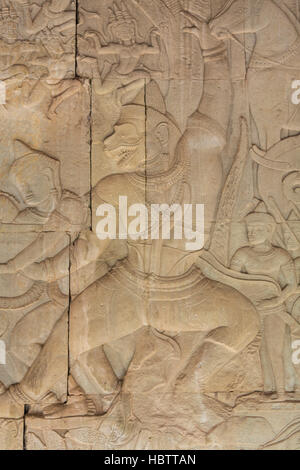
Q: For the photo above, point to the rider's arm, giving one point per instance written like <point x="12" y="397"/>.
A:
<point x="288" y="273"/>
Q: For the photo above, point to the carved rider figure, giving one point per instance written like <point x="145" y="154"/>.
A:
<point x="39" y="200"/>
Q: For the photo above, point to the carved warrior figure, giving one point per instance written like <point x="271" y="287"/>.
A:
<point x="262" y="257"/>
<point x="53" y="14"/>
<point x="128" y="73"/>
<point x="41" y="201"/>
<point x="42" y="47"/>
<point x="11" y="53"/>
<point x="158" y="287"/>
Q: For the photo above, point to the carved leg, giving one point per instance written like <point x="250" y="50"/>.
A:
<point x="96" y="354"/>
<point x="73" y="87"/>
<point x="275" y="331"/>
<point x="48" y="368"/>
<point x="238" y="326"/>
<point x="95" y="376"/>
<point x="267" y="369"/>
<point x="98" y="374"/>
<point x="31" y="332"/>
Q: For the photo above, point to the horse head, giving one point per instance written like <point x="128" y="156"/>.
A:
<point x="237" y="17"/>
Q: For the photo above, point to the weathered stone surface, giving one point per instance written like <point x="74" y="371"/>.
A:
<point x="11" y="434"/>
<point x="45" y="167"/>
<point x="38" y="39"/>
<point x="126" y="322"/>
<point x="245" y="430"/>
<point x="33" y="315"/>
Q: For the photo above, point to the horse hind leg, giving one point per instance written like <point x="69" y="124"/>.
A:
<point x="224" y="343"/>
<point x="98" y="373"/>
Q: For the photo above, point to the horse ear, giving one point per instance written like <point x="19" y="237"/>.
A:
<point x="21" y="149"/>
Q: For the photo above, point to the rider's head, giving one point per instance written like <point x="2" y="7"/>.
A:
<point x="260" y="227"/>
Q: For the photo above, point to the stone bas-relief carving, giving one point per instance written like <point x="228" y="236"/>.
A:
<point x="248" y="432"/>
<point x="44" y="181"/>
<point x="38" y="39"/>
<point x="148" y="341"/>
<point x="11" y="434"/>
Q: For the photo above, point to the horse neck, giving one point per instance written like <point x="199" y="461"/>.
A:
<point x="279" y="33"/>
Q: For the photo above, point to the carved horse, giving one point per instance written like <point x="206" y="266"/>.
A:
<point x="274" y="62"/>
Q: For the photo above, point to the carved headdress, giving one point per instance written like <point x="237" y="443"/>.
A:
<point x="120" y="16"/>
<point x="35" y="161"/>
<point x="260" y="216"/>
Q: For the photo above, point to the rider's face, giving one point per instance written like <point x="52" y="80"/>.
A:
<point x="259" y="233"/>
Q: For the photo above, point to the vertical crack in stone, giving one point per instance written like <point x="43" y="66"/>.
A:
<point x="24" y="430"/>
<point x="69" y="311"/>
<point x="172" y="347"/>
<point x="76" y="34"/>
<point x="90" y="118"/>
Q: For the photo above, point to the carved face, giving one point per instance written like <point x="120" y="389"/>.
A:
<point x="259" y="233"/>
<point x="124" y="31"/>
<point x="126" y="147"/>
<point x="35" y="188"/>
